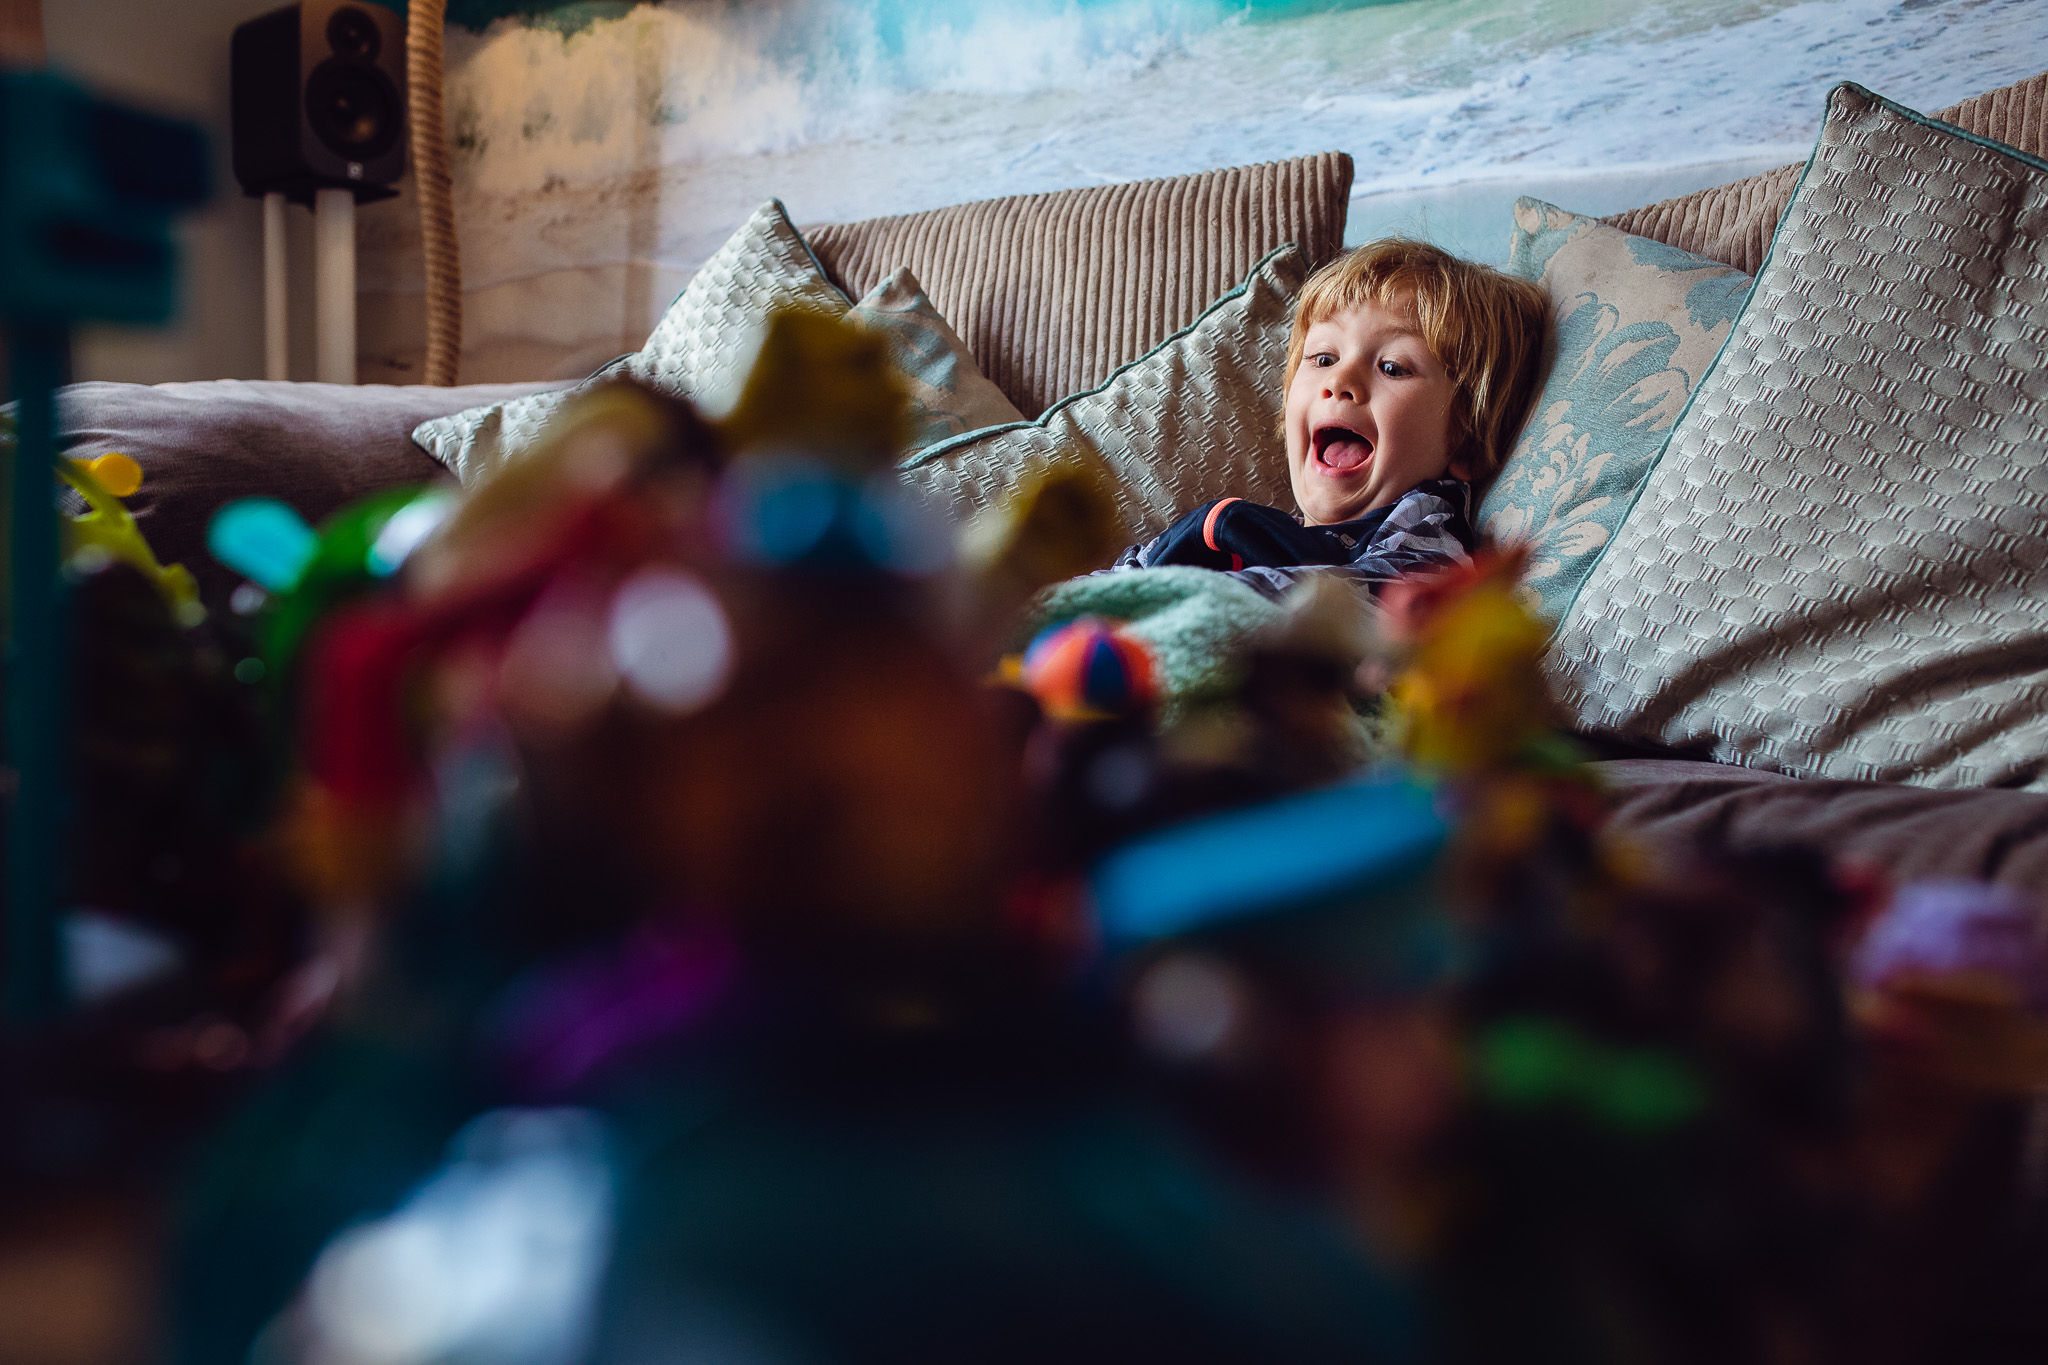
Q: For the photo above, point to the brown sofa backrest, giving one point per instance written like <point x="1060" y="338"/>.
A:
<point x="1734" y="222"/>
<point x="1052" y="292"/>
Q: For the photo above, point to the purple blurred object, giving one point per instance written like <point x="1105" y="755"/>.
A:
<point x="1959" y="926"/>
<point x="563" y="1021"/>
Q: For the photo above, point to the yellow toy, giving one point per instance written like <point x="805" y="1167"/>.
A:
<point x="107" y="532"/>
<point x="1471" y="696"/>
<point x="823" y="387"/>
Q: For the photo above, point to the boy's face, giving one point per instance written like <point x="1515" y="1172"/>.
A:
<point x="1368" y="414"/>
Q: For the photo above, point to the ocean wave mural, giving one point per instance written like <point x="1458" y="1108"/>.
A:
<point x="603" y="149"/>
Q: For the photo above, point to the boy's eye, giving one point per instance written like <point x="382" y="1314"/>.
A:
<point x="1322" y="360"/>
<point x="1392" y="369"/>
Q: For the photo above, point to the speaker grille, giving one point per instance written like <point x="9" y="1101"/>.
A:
<point x="353" y="109"/>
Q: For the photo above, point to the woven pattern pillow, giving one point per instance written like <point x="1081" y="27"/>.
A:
<point x="1839" y="568"/>
<point x="1734" y="222"/>
<point x="1636" y="323"/>
<point x="705" y="342"/>
<point x="1052" y="292"/>
<point x="948" y="393"/>
<point x="1195" y="418"/>
<point x="701" y="347"/>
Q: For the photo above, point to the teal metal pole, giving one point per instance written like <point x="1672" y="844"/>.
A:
<point x="35" y="694"/>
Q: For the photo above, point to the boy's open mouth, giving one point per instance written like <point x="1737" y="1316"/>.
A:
<point x="1340" y="448"/>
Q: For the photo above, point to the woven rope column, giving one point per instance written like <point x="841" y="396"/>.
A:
<point x="434" y="186"/>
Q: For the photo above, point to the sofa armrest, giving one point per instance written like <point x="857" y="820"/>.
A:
<point x="313" y="446"/>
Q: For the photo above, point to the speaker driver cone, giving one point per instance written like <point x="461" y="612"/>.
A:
<point x="352" y="33"/>
<point x="353" y="109"/>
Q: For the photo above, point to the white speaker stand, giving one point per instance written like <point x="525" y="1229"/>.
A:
<point x="276" y="347"/>
<point x="334" y="287"/>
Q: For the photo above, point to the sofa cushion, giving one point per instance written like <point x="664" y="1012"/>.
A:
<point x="1839" y="567"/>
<point x="705" y="343"/>
<point x="1910" y="833"/>
<point x="1196" y="417"/>
<point x="949" y="394"/>
<point x="701" y="347"/>
<point x="1636" y="323"/>
<point x="1734" y="222"/>
<point x="313" y="446"/>
<point x="1053" y="292"/>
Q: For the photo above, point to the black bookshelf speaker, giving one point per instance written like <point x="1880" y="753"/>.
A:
<point x="317" y="100"/>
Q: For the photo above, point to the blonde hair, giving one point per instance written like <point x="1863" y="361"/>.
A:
<point x="1485" y="328"/>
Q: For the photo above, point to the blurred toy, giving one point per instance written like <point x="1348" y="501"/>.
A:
<point x="1952" y="980"/>
<point x="106" y="532"/>
<point x="1950" y="996"/>
<point x="1057" y="520"/>
<point x="1338" y="879"/>
<point x="1087" y="670"/>
<point x="264" y="541"/>
<point x="1468" y="691"/>
<point x="1980" y="933"/>
<point x="853" y="407"/>
<point x="1308" y="718"/>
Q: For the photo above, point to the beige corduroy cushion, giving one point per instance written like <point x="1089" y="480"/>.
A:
<point x="1734" y="222"/>
<point x="1195" y="418"/>
<point x="1839" y="567"/>
<point x="1052" y="292"/>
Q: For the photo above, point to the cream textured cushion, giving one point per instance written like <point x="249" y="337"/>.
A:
<point x="1839" y="567"/>
<point x="1194" y="419"/>
<point x="1733" y="222"/>
<point x="948" y="393"/>
<point x="700" y="349"/>
<point x="705" y="342"/>
<point x="1636" y="323"/>
<point x="1054" y="291"/>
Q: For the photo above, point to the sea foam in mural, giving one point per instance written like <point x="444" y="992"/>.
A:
<point x="602" y="152"/>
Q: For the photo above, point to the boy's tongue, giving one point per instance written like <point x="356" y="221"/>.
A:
<point x="1345" y="451"/>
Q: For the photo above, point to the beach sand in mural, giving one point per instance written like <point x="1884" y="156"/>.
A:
<point x="599" y="164"/>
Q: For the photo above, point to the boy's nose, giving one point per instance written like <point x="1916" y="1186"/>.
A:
<point x="1343" y="382"/>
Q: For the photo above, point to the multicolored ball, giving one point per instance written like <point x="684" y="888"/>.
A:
<point x="1088" y="669"/>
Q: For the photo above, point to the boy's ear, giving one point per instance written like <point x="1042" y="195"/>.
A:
<point x="1466" y="462"/>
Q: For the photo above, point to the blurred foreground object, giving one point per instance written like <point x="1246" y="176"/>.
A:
<point x="741" y="972"/>
<point x="1087" y="670"/>
<point x="1469" y="691"/>
<point x="87" y="192"/>
<point x="677" y="815"/>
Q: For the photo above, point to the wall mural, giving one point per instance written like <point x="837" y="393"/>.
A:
<point x="603" y="149"/>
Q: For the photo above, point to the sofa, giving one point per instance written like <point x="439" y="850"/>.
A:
<point x="1061" y="299"/>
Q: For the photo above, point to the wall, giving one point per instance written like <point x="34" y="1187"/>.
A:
<point x="173" y="57"/>
<point x="603" y="149"/>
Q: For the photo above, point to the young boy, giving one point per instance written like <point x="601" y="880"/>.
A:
<point x="1409" y="374"/>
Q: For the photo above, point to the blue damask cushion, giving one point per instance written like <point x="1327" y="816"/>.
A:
<point x="1637" y="323"/>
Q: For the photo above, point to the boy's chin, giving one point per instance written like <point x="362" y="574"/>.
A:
<point x="1327" y="511"/>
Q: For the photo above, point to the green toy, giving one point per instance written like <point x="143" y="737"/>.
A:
<point x="107" y="533"/>
<point x="307" y="573"/>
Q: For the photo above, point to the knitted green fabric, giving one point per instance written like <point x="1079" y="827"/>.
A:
<point x="1196" y="622"/>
